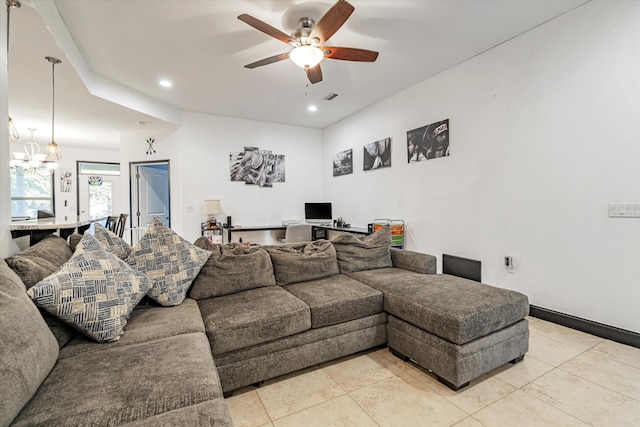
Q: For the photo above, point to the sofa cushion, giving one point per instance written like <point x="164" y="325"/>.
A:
<point x="337" y="299"/>
<point x="94" y="291"/>
<point x="169" y="261"/>
<point x="231" y="268"/>
<point x="125" y="384"/>
<point x="146" y="323"/>
<point x="252" y="317"/>
<point x="299" y="262"/>
<point x="28" y="350"/>
<point x="210" y="413"/>
<point x="372" y="251"/>
<point x="455" y="309"/>
<point x="74" y="239"/>
<point x="112" y="241"/>
<point x="413" y="261"/>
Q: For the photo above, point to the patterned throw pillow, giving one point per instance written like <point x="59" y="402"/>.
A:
<point x="94" y="291"/>
<point x="112" y="241"/>
<point x="169" y="261"/>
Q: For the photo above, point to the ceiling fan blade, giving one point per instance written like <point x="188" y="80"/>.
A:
<point x="349" y="54"/>
<point x="331" y="21"/>
<point x="268" y="29"/>
<point x="314" y="74"/>
<point x="268" y="61"/>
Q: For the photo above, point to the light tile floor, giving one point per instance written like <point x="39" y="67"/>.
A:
<point x="568" y="378"/>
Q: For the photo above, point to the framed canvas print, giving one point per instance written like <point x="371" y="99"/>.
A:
<point x="377" y="155"/>
<point x="428" y="142"/>
<point x="343" y="163"/>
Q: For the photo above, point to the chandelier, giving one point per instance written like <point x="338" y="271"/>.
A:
<point x="32" y="161"/>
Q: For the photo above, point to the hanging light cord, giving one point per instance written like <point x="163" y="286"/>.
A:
<point x="10" y="4"/>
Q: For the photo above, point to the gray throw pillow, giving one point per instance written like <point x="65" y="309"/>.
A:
<point x="232" y="268"/>
<point x="112" y="241"/>
<point x="37" y="262"/>
<point x="94" y="291"/>
<point x="40" y="260"/>
<point x="368" y="253"/>
<point x="169" y="261"/>
<point x="301" y="262"/>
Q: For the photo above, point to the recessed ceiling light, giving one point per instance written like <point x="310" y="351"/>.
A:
<point x="312" y="108"/>
<point x="165" y="83"/>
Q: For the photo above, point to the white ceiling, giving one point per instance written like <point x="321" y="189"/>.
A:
<point x="119" y="50"/>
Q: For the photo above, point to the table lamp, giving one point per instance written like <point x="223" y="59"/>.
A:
<point x="212" y="208"/>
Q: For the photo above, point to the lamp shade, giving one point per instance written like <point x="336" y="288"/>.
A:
<point x="212" y="207"/>
<point x="306" y="56"/>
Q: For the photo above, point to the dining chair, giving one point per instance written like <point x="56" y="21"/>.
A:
<point x="122" y="222"/>
<point x="111" y="223"/>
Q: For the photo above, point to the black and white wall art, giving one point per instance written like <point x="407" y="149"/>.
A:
<point x="343" y="163"/>
<point x="377" y="155"/>
<point x="428" y="142"/>
<point x="257" y="167"/>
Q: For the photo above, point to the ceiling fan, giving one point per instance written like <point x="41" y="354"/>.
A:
<point x="309" y="41"/>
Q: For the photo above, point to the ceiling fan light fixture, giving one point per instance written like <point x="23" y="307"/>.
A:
<point x="306" y="56"/>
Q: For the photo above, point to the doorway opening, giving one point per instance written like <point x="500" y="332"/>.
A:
<point x="98" y="188"/>
<point x="150" y="195"/>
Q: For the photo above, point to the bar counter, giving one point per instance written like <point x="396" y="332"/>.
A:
<point x="38" y="229"/>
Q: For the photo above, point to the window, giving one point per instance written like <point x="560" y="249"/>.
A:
<point x="92" y="168"/>
<point x="30" y="193"/>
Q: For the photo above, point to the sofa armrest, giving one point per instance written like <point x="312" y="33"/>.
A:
<point x="413" y="261"/>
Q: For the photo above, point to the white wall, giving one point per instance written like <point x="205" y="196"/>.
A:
<point x="544" y="134"/>
<point x="199" y="168"/>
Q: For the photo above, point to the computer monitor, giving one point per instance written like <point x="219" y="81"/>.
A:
<point x="318" y="213"/>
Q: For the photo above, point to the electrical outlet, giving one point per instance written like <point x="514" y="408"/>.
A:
<point x="510" y="264"/>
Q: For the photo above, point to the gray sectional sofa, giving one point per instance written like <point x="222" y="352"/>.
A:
<point x="252" y="313"/>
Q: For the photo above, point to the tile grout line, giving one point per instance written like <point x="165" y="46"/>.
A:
<point x="593" y="382"/>
<point x="554" y="406"/>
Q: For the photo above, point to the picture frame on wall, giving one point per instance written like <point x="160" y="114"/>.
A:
<point x="377" y="155"/>
<point x="66" y="182"/>
<point x="257" y="167"/>
<point x="428" y="142"/>
<point x="343" y="163"/>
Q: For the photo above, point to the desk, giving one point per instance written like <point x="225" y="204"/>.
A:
<point x="328" y="231"/>
<point x="270" y="234"/>
<point x="38" y="229"/>
<point x="261" y="234"/>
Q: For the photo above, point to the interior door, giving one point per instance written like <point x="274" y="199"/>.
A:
<point x="150" y="195"/>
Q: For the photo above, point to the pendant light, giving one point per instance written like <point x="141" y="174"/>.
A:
<point x="53" y="152"/>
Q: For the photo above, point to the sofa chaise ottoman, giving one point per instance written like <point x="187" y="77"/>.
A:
<point x="457" y="328"/>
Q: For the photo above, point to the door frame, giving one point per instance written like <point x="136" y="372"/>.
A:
<point x="133" y="191"/>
